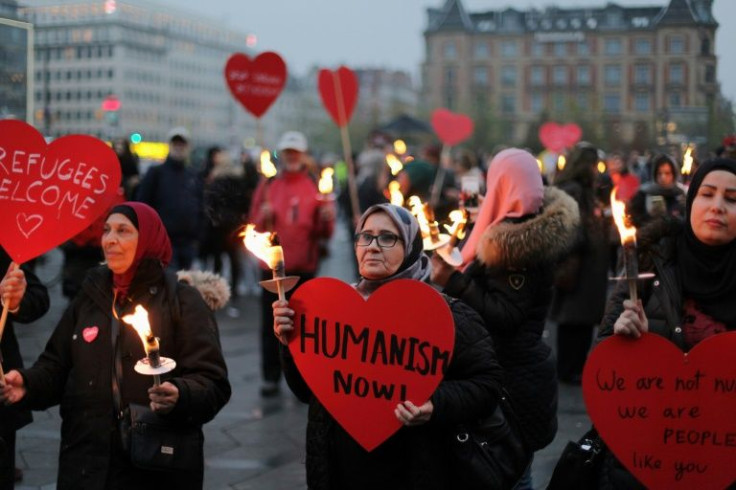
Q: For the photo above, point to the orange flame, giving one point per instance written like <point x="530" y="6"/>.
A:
<point x="459" y="219"/>
<point x="618" y="209"/>
<point x="260" y="245"/>
<point x="561" y="162"/>
<point x="687" y="161"/>
<point x="417" y="209"/>
<point x="601" y="167"/>
<point x="399" y="147"/>
<point x="268" y="169"/>
<point x="139" y="321"/>
<point x="325" y="180"/>
<point x="394" y="189"/>
<point x="394" y="163"/>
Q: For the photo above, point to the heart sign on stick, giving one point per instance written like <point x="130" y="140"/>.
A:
<point x="362" y="358"/>
<point x="256" y="83"/>
<point x="556" y="137"/>
<point x="339" y="93"/>
<point x="49" y="193"/>
<point x="451" y="128"/>
<point x="667" y="416"/>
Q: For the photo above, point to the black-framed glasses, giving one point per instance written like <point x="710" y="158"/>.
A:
<point x="384" y="240"/>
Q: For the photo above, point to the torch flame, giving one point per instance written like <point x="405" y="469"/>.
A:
<point x="394" y="163"/>
<point x="459" y="218"/>
<point x="561" y="162"/>
<point x="394" y="189"/>
<point x="139" y="321"/>
<point x="261" y="245"/>
<point x="540" y="164"/>
<point x="618" y="209"/>
<point x="325" y="180"/>
<point x="268" y="169"/>
<point x="417" y="209"/>
<point x="601" y="167"/>
<point x="399" y="147"/>
<point x="687" y="161"/>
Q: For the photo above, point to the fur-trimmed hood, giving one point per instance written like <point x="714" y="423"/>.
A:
<point x="542" y="238"/>
<point x="213" y="288"/>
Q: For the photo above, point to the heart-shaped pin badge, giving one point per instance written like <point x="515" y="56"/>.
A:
<point x="339" y="93"/>
<point x="667" y="416"/>
<point x="558" y="137"/>
<point x="451" y="128"/>
<point x="90" y="333"/>
<point x="49" y="193"/>
<point x="256" y="83"/>
<point x="361" y="358"/>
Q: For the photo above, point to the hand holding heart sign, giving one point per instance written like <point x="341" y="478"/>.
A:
<point x="667" y="416"/>
<point x="49" y="193"/>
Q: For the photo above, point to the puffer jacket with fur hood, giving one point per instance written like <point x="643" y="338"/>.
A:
<point x="510" y="284"/>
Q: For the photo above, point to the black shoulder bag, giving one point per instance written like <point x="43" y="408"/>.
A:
<point x="492" y="454"/>
<point x="152" y="441"/>
<point x="579" y="463"/>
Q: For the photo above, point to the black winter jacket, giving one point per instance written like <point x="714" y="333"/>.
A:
<point x="75" y="371"/>
<point x="414" y="457"/>
<point x="510" y="284"/>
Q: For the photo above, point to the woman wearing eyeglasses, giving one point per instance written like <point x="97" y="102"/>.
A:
<point x="388" y="246"/>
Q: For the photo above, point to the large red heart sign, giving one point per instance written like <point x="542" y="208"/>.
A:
<point x="451" y="128"/>
<point x="667" y="416"/>
<point x="362" y="358"/>
<point x="256" y="83"/>
<point x="339" y="93"/>
<point x="556" y="137"/>
<point x="49" y="193"/>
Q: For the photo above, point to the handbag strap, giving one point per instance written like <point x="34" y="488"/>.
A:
<point x="117" y="371"/>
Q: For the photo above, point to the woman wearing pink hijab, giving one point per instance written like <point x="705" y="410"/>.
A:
<point x="522" y="230"/>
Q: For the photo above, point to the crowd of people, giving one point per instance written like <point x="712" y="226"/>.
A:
<point x="540" y="249"/>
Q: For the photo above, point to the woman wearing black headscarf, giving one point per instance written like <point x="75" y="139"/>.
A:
<point x="88" y="345"/>
<point x="663" y="196"/>
<point x="692" y="294"/>
<point x="388" y="246"/>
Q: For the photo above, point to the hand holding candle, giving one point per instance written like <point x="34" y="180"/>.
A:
<point x="156" y="365"/>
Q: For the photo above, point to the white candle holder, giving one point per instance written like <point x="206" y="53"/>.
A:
<point x="451" y="255"/>
<point x="145" y="368"/>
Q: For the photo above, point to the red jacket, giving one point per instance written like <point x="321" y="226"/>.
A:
<point x="296" y="218"/>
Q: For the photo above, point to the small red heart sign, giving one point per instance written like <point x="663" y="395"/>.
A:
<point x="451" y="128"/>
<point x="90" y="333"/>
<point x="362" y="358"/>
<point x="256" y="83"/>
<point x="557" y="138"/>
<point x="49" y="193"/>
<point x="667" y="416"/>
<point x="339" y="93"/>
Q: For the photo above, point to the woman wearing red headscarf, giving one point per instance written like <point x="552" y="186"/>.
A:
<point x="76" y="368"/>
<point x="522" y="230"/>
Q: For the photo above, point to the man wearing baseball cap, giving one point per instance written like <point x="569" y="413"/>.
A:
<point x="288" y="204"/>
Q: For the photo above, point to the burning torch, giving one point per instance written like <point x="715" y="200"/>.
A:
<point x="266" y="247"/>
<point x="394" y="190"/>
<point x="428" y="226"/>
<point x="326" y="184"/>
<point x="450" y="253"/>
<point x="153" y="364"/>
<point x="628" y="242"/>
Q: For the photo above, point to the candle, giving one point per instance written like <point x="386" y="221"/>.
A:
<point x="139" y="321"/>
<point x="459" y="219"/>
<point x="325" y="183"/>
<point x="628" y="242"/>
<point x="268" y="169"/>
<point x="266" y="247"/>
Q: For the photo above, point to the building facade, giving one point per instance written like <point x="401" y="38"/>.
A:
<point x="15" y="38"/>
<point x="163" y="67"/>
<point x="630" y="76"/>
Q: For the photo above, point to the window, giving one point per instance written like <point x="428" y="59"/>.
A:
<point x="480" y="76"/>
<point x="509" y="49"/>
<point x="508" y="104"/>
<point x="480" y="50"/>
<point x="612" y="75"/>
<point x="675" y="100"/>
<point x="560" y="49"/>
<point x="710" y="74"/>
<point x="558" y="102"/>
<point x="612" y="47"/>
<point x="642" y="102"/>
<point x="642" y="46"/>
<point x="537" y="75"/>
<point x="537" y="103"/>
<point x="612" y="103"/>
<point x="450" y="51"/>
<point x="676" y="73"/>
<point x="676" y="45"/>
<point x="508" y="76"/>
<point x="583" y="49"/>
<point x="559" y="75"/>
<point x="705" y="46"/>
<point x="582" y="101"/>
<point x="583" y="75"/>
<point x="537" y="49"/>
<point x="642" y="74"/>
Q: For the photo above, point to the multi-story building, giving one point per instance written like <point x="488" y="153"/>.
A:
<point x="15" y="37"/>
<point x="163" y="66"/>
<point x="630" y="76"/>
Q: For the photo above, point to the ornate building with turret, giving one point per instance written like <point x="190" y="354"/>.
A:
<point x="630" y="76"/>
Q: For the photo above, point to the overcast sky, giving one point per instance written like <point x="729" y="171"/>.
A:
<point x="388" y="33"/>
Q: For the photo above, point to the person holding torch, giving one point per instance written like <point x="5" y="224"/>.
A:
<point x="88" y="364"/>
<point x="692" y="294"/>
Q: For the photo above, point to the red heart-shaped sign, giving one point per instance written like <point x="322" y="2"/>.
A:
<point x="451" y="128"/>
<point x="557" y="138"/>
<point x="339" y="93"/>
<point x="90" y="333"/>
<point x="667" y="416"/>
<point x="49" y="193"/>
<point x="256" y="83"/>
<point x="362" y="358"/>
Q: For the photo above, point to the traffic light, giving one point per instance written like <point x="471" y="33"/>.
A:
<point x="136" y="138"/>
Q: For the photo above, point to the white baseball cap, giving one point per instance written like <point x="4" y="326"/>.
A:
<point x="293" y="140"/>
<point x="178" y="132"/>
